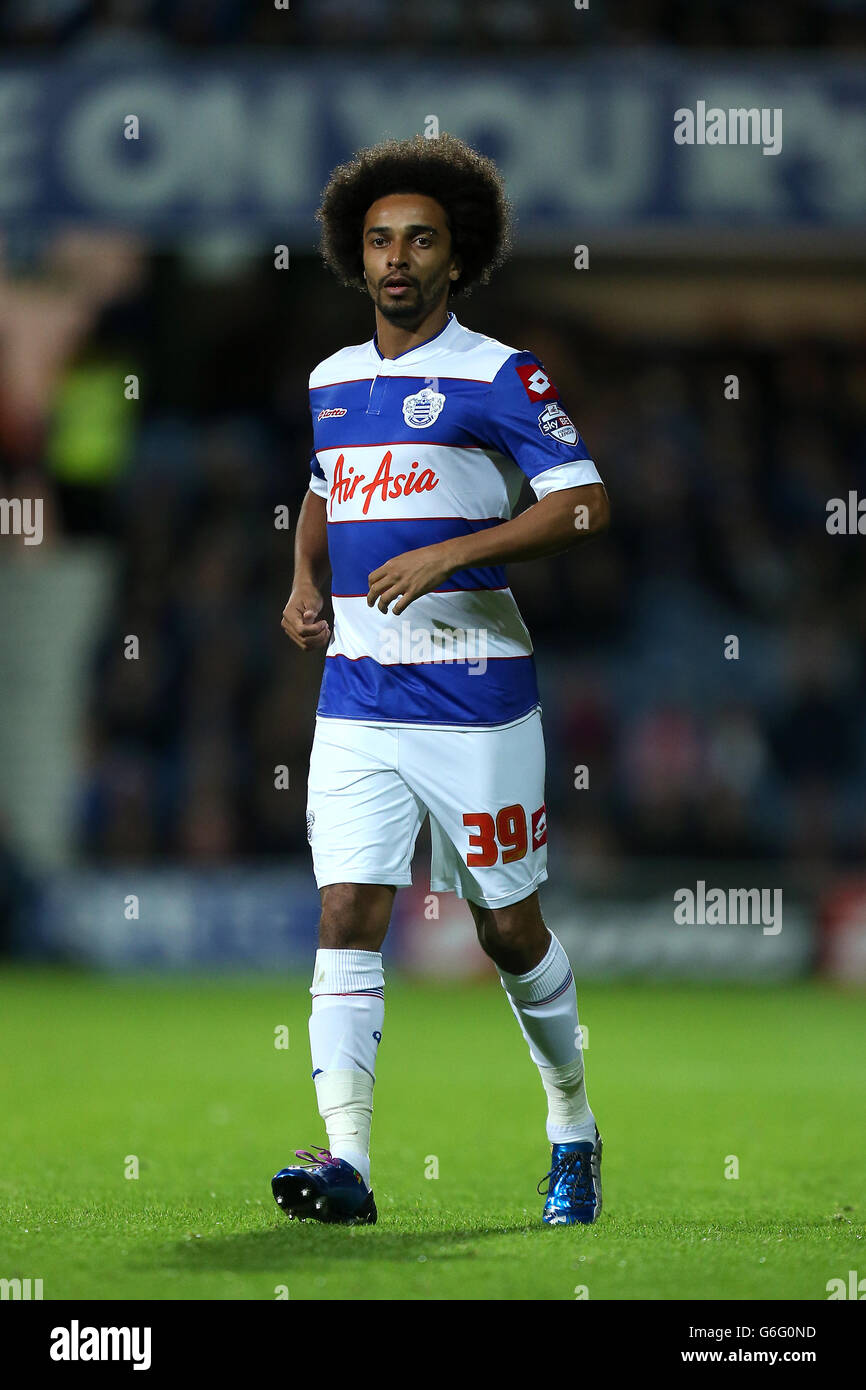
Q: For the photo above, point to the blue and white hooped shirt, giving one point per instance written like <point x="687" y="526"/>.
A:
<point x="416" y="449"/>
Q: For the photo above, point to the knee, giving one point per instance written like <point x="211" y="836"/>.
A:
<point x="510" y="935"/>
<point x="486" y="928"/>
<point x="483" y="919"/>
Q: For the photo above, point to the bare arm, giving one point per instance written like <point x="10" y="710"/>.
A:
<point x="301" y="619"/>
<point x="558" y="522"/>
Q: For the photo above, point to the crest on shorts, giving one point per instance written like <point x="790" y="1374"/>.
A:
<point x="311" y="816"/>
<point x="423" y="408"/>
<point x="553" y="420"/>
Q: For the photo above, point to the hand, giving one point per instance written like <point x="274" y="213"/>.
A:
<point x="411" y="574"/>
<point x="300" y="619"/>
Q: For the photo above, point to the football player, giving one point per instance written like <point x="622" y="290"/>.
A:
<point x="429" y="704"/>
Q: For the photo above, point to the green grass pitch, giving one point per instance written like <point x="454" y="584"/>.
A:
<point x="183" y="1074"/>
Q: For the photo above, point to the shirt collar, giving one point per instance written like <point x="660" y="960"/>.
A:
<point x="437" y="338"/>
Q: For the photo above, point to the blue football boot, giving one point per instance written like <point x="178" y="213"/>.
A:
<point x="324" y="1189"/>
<point x="573" y="1184"/>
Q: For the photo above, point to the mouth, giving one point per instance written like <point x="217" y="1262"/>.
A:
<point x="397" y="286"/>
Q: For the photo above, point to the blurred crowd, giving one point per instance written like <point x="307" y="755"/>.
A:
<point x="711" y="675"/>
<point x="448" y="24"/>
<point x="704" y="662"/>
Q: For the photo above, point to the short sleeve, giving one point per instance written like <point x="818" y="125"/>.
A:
<point x="318" y="481"/>
<point x="526" y="420"/>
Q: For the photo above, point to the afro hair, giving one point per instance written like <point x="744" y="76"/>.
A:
<point x="467" y="185"/>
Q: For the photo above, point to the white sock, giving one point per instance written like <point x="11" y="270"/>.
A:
<point x="544" y="1001"/>
<point x="345" y="1030"/>
<point x="345" y="1101"/>
<point x="569" y="1117"/>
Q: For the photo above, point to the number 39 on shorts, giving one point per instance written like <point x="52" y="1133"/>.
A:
<point x="505" y="833"/>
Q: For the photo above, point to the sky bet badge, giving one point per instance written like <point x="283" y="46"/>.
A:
<point x="423" y="408"/>
<point x="553" y="420"/>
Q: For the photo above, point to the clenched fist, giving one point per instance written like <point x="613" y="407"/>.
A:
<point x="301" y="619"/>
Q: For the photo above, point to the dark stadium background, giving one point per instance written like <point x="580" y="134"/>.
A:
<point x="159" y="515"/>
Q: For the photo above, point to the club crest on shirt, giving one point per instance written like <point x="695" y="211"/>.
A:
<point x="423" y="408"/>
<point x="553" y="420"/>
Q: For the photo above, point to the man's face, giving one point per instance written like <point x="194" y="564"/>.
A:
<point x="407" y="256"/>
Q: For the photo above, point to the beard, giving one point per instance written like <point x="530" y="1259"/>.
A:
<point x="399" y="311"/>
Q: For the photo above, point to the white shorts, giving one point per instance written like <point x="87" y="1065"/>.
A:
<point x="371" y="786"/>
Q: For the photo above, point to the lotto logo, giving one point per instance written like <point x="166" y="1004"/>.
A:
<point x="539" y="827"/>
<point x="536" y="383"/>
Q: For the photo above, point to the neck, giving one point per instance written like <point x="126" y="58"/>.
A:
<point x="394" y="338"/>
